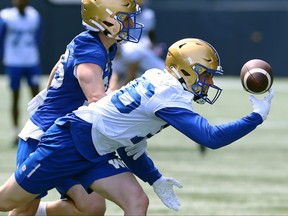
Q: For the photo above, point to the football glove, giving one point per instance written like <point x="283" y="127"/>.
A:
<point x="136" y="150"/>
<point x="262" y="106"/>
<point x="36" y="101"/>
<point x="163" y="187"/>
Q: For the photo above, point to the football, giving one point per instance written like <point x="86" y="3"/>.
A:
<point x="256" y="76"/>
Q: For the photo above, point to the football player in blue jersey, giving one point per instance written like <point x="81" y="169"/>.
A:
<point x="20" y="36"/>
<point x="82" y="144"/>
<point x="81" y="76"/>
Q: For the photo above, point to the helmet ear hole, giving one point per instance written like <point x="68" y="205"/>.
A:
<point x="108" y="23"/>
<point x="185" y="73"/>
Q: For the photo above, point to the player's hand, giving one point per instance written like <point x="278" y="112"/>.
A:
<point x="136" y="150"/>
<point x="163" y="187"/>
<point x="262" y="106"/>
<point x="36" y="101"/>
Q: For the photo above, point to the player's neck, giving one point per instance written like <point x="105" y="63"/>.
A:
<point x="107" y="42"/>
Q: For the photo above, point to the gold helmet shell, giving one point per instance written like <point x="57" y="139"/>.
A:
<point x="108" y="16"/>
<point x="188" y="58"/>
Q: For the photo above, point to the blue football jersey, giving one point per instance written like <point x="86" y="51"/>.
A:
<point x="65" y="94"/>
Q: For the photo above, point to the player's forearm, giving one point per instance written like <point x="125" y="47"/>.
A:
<point x="199" y="130"/>
<point x="143" y="167"/>
<point x="225" y="134"/>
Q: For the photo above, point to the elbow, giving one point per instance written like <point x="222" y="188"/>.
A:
<point x="95" y="97"/>
<point x="212" y="144"/>
<point x="214" y="147"/>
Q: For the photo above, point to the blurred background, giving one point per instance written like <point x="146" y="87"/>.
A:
<point x="246" y="178"/>
<point x="239" y="29"/>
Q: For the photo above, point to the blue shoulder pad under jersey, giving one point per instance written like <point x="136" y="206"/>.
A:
<point x="198" y="129"/>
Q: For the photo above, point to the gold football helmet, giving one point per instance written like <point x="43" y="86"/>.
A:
<point x="115" y="18"/>
<point x="192" y="61"/>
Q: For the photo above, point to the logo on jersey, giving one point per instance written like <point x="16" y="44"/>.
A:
<point x="23" y="169"/>
<point x="117" y="163"/>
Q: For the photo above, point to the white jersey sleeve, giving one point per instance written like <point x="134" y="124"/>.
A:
<point x="169" y="92"/>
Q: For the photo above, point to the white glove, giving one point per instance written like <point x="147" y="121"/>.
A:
<point x="262" y="106"/>
<point x="137" y="150"/>
<point x="163" y="187"/>
<point x="36" y="101"/>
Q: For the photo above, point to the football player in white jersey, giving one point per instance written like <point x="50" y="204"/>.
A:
<point x="84" y="141"/>
<point x="20" y="37"/>
<point x="81" y="76"/>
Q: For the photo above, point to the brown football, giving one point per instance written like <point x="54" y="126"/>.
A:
<point x="256" y="76"/>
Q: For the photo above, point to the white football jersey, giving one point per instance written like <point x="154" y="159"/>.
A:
<point x="128" y="116"/>
<point x="20" y="45"/>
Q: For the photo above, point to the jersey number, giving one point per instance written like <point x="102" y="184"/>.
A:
<point x="132" y="91"/>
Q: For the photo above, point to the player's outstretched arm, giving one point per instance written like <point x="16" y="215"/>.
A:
<point x="198" y="129"/>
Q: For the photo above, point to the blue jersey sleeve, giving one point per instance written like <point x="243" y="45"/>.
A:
<point x="143" y="167"/>
<point x="198" y="129"/>
<point x="87" y="49"/>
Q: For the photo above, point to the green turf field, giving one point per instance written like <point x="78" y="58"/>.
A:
<point x="249" y="177"/>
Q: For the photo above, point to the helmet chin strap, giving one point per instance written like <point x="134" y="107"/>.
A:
<point x="180" y="78"/>
<point x="196" y="98"/>
<point x="88" y="27"/>
<point x="199" y="100"/>
<point x="121" y="41"/>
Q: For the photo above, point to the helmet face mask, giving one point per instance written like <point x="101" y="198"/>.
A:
<point x="131" y="29"/>
<point x="116" y="19"/>
<point x="203" y="85"/>
<point x="195" y="62"/>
